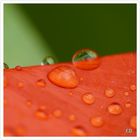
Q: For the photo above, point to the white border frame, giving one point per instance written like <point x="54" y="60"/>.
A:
<point x="137" y="2"/>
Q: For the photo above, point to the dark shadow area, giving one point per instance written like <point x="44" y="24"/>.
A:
<point x="107" y="28"/>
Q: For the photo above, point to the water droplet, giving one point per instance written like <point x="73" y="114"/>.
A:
<point x="57" y="113"/>
<point x="64" y="76"/>
<point x="29" y="103"/>
<point x="88" y="98"/>
<point x="41" y="83"/>
<point x="42" y="107"/>
<point x="48" y="60"/>
<point x="126" y="93"/>
<point x="20" y="131"/>
<point x="115" y="109"/>
<point x="86" y="59"/>
<point x="78" y="131"/>
<point x="72" y="117"/>
<point x="20" y="84"/>
<point x="18" y="68"/>
<point x="6" y="66"/>
<point x="109" y="92"/>
<point x="41" y="115"/>
<point x="133" y="87"/>
<point x="70" y="93"/>
<point x="133" y="122"/>
<point x="128" y="105"/>
<point x="97" y="121"/>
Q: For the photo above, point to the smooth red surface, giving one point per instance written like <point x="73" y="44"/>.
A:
<point x="117" y="72"/>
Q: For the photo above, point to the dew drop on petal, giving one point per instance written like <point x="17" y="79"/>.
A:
<point x="109" y="92"/>
<point x="126" y="93"/>
<point x="41" y="115"/>
<point x="48" y="60"/>
<point x="42" y="107"/>
<point x="115" y="109"/>
<point x="41" y="83"/>
<point x="72" y="117"/>
<point x="18" y="68"/>
<point x="128" y="105"/>
<point x="133" y="87"/>
<point x="78" y="131"/>
<point x="57" y="113"/>
<point x="88" y="98"/>
<point x="20" y="84"/>
<point x="133" y="122"/>
<point x="64" y="76"/>
<point x="6" y="66"/>
<point x="97" y="121"/>
<point x="86" y="59"/>
<point x="29" y="103"/>
<point x="20" y="131"/>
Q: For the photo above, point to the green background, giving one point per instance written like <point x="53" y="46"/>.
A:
<point x="32" y="31"/>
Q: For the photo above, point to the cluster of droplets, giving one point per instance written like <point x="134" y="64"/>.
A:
<point x="66" y="77"/>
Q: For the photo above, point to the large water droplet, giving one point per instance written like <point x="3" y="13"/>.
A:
<point x="88" y="98"/>
<point x="64" y="76"/>
<point x="78" y="131"/>
<point x="48" y="60"/>
<point x="115" y="109"/>
<point x="97" y="121"/>
<point x="18" y="68"/>
<point x="41" y="83"/>
<point x="57" y="113"/>
<point x="109" y="92"/>
<point x="86" y="59"/>
<point x="41" y="115"/>
<point x="133" y="122"/>
<point x="6" y="66"/>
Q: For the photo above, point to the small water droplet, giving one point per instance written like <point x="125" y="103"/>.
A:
<point x="48" y="60"/>
<point x="20" y="84"/>
<point x="126" y="93"/>
<point x="42" y="107"/>
<point x="128" y="105"/>
<point x="64" y="76"/>
<point x="133" y="87"/>
<point x="133" y="122"/>
<point x="41" y="115"/>
<point x="78" y="131"/>
<point x="57" y="113"/>
<point x="20" y="131"/>
<point x="88" y="98"/>
<point x="109" y="92"/>
<point x="115" y="109"/>
<point x="70" y="93"/>
<point x="41" y="83"/>
<point x="86" y="59"/>
<point x="18" y="68"/>
<point x="97" y="121"/>
<point x="72" y="117"/>
<point x="6" y="66"/>
<point x="29" y="103"/>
